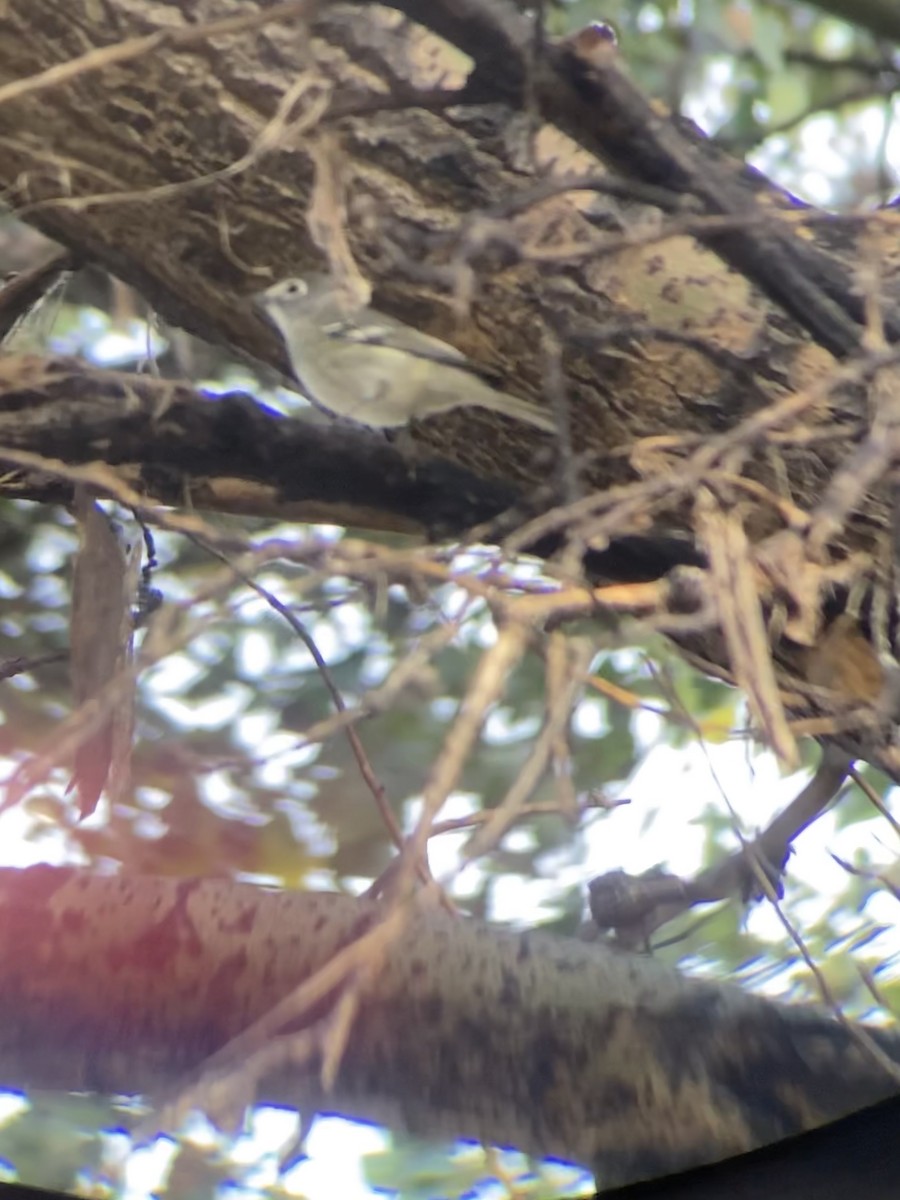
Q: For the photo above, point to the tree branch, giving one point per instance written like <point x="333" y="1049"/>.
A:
<point x="880" y="17"/>
<point x="588" y="95"/>
<point x="229" y="452"/>
<point x="121" y="985"/>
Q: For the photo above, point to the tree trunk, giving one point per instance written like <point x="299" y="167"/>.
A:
<point x="158" y="163"/>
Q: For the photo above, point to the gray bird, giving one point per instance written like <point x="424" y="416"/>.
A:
<point x="372" y="368"/>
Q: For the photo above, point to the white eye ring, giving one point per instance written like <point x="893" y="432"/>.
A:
<point x="295" y="287"/>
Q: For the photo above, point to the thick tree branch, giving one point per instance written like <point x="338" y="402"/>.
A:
<point x="420" y="181"/>
<point x="123" y="985"/>
<point x="589" y="96"/>
<point x="227" y="452"/>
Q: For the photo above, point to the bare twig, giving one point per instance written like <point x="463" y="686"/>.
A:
<point x="9" y="667"/>
<point x="735" y="588"/>
<point x="134" y="48"/>
<point x="21" y="293"/>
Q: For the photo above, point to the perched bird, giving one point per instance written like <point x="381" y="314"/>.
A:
<point x="374" y="369"/>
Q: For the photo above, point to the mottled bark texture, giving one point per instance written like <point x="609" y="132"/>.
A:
<point x="233" y="454"/>
<point x="657" y="338"/>
<point x="557" y="1046"/>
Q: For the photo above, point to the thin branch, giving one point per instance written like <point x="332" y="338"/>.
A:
<point x="134" y="48"/>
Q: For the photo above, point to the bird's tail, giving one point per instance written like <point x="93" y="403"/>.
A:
<point x="521" y="410"/>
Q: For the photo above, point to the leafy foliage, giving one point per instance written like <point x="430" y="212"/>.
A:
<point x="226" y="781"/>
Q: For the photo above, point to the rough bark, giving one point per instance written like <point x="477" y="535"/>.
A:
<point x="657" y="338"/>
<point x="126" y="985"/>
<point x="171" y="444"/>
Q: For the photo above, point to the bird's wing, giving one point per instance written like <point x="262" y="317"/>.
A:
<point x="399" y="336"/>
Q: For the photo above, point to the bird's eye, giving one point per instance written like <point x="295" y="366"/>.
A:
<point x="296" y="287"/>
